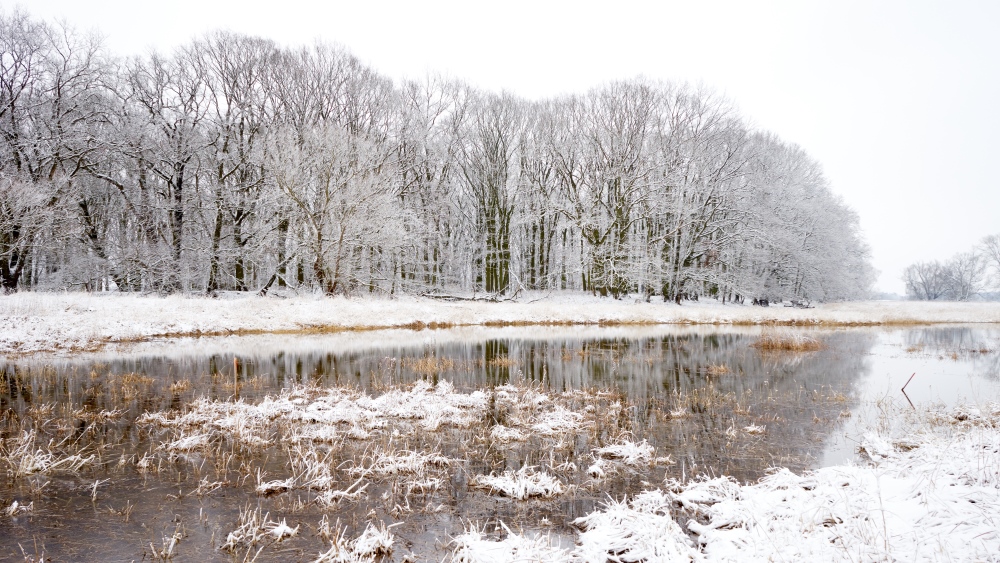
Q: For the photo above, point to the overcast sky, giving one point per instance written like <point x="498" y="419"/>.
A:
<point x="900" y="101"/>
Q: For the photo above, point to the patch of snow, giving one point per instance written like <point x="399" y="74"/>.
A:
<point x="522" y="484"/>
<point x="930" y="494"/>
<point x="374" y="544"/>
<point x="474" y="546"/>
<point x="628" y="452"/>
<point x="38" y="322"/>
<point x="641" y="530"/>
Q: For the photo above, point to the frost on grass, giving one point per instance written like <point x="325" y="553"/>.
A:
<point x="641" y="530"/>
<point x="932" y="494"/>
<point x="504" y="434"/>
<point x="375" y="542"/>
<point x="624" y="532"/>
<point x="24" y="457"/>
<point x="474" y="546"/>
<point x="308" y="420"/>
<point x="386" y="462"/>
<point x="558" y="421"/>
<point x="189" y="443"/>
<point x="309" y="414"/>
<point x="522" y="484"/>
<point x="16" y="508"/>
<point x="310" y="470"/>
<point x="255" y="528"/>
<point x="628" y="452"/>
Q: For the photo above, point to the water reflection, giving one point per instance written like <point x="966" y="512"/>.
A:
<point x="692" y="392"/>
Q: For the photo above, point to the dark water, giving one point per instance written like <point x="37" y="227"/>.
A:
<point x="689" y="391"/>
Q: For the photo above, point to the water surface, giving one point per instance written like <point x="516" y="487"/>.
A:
<point x="691" y="392"/>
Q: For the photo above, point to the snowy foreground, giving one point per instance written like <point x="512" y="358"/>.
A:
<point x="36" y="322"/>
<point x="930" y="493"/>
<point x="930" y="490"/>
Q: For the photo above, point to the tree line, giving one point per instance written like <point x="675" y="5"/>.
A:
<point x="965" y="276"/>
<point x="238" y="164"/>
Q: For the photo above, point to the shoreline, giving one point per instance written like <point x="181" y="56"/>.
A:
<point x="35" y="323"/>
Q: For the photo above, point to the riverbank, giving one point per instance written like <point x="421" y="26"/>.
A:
<point x="76" y="322"/>
<point x="930" y="492"/>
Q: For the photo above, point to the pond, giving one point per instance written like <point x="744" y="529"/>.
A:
<point x="167" y="449"/>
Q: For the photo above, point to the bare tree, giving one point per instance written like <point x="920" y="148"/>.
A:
<point x="966" y="273"/>
<point x="990" y="251"/>
<point x="490" y="166"/>
<point x="236" y="70"/>
<point x="427" y="147"/>
<point x="234" y="161"/>
<point x="344" y="201"/>
<point x="49" y="82"/>
<point x="926" y="281"/>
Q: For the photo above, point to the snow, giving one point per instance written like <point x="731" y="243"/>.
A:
<point x="68" y="322"/>
<point x="628" y="452"/>
<point x="16" y="508"/>
<point x="930" y="490"/>
<point x="476" y="547"/>
<point x="641" y="530"/>
<point x="931" y="493"/>
<point x="522" y="484"/>
<point x="374" y="544"/>
<point x="24" y="456"/>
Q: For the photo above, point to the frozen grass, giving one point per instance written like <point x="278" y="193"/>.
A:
<point x="34" y="322"/>
<point x="503" y="434"/>
<point x="522" y="484"/>
<point x="308" y="414"/>
<point x="558" y="421"/>
<point x="628" y="452"/>
<point x="475" y="546"/>
<point x="307" y="417"/>
<point x="931" y="493"/>
<point x="641" y="530"/>
<point x="16" y="509"/>
<point x="314" y="427"/>
<point x="374" y="544"/>
<point x="23" y="457"/>
<point x="385" y="463"/>
<point x="254" y="529"/>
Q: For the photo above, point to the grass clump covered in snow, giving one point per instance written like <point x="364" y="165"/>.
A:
<point x="522" y="484"/>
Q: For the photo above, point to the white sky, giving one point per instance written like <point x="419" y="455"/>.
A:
<point x="899" y="100"/>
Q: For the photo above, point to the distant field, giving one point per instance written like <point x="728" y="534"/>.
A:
<point x="36" y="322"/>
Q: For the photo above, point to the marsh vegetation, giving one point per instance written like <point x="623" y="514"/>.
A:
<point x="398" y="453"/>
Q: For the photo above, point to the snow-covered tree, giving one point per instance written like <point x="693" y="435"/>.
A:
<point x="234" y="163"/>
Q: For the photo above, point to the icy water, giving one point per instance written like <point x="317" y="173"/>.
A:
<point x="703" y="397"/>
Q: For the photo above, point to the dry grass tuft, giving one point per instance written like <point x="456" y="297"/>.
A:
<point x="180" y="386"/>
<point x="502" y="362"/>
<point x="717" y="369"/>
<point x="429" y="365"/>
<point x="772" y="341"/>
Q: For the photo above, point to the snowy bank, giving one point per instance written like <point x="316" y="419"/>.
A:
<point x="929" y="493"/>
<point x="34" y="322"/>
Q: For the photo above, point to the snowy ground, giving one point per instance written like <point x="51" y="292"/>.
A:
<point x="36" y="322"/>
<point x="931" y="492"/>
